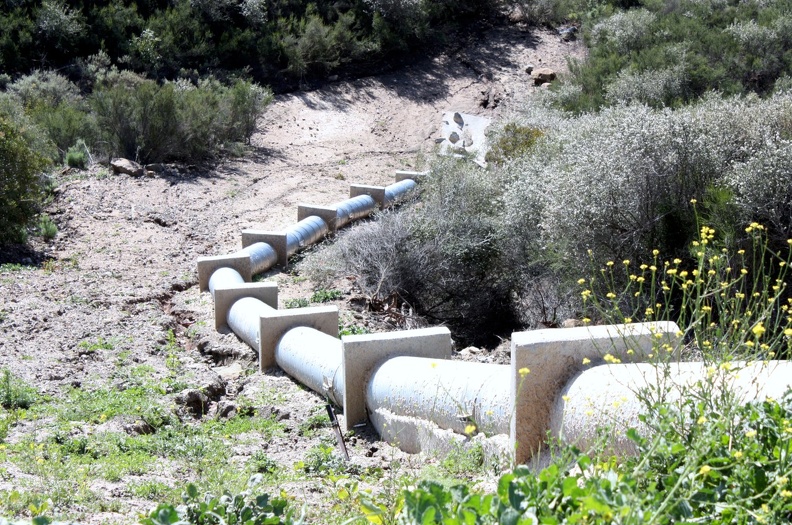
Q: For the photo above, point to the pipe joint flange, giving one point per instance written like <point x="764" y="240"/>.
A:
<point x="276" y="323"/>
<point x="208" y="265"/>
<point x="225" y="297"/>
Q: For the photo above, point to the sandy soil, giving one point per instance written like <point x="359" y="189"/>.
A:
<point x="123" y="266"/>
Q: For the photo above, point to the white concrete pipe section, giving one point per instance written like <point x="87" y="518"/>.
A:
<point x="397" y="191"/>
<point x="314" y="359"/>
<point x="224" y="277"/>
<point x="262" y="256"/>
<point x="307" y="231"/>
<point x="353" y="209"/>
<point x="450" y="394"/>
<point x="244" y="318"/>
<point x="608" y="395"/>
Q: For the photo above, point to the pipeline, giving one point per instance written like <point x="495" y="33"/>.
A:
<point x="307" y="231"/>
<point x="353" y="209"/>
<point x="244" y="318"/>
<point x="224" y="277"/>
<point x="314" y="359"/>
<point x="451" y="394"/>
<point x="397" y="191"/>
<point x="262" y="256"/>
<point x="609" y="396"/>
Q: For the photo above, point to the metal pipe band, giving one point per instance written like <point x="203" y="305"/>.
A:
<point x="262" y="256"/>
<point x="314" y="359"/>
<point x="354" y="208"/>
<point x="224" y="277"/>
<point x="244" y="318"/>
<point x="452" y="394"/>
<point x="397" y="191"/>
<point x="307" y="231"/>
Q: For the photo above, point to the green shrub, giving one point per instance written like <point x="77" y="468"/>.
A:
<point x="210" y="509"/>
<point x="512" y="142"/>
<point x="21" y="186"/>
<point x="325" y="296"/>
<point x="175" y="121"/>
<point x="77" y="156"/>
<point x="673" y="53"/>
<point x="47" y="228"/>
<point x="299" y="302"/>
<point x="14" y="393"/>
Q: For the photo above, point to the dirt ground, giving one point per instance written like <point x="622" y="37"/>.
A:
<point x="123" y="265"/>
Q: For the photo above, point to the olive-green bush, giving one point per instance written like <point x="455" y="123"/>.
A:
<point x="21" y="184"/>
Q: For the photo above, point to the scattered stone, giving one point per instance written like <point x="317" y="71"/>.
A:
<point x="215" y="388"/>
<point x="139" y="428"/>
<point x="194" y="401"/>
<point x="568" y="33"/>
<point x="127" y="167"/>
<point x="543" y="75"/>
<point x="226" y="409"/>
<point x="571" y="323"/>
<point x="230" y="372"/>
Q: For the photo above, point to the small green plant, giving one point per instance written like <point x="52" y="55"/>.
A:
<point x="322" y="460"/>
<point x="77" y="156"/>
<point x="351" y="329"/>
<point x="300" y="302"/>
<point x="261" y="463"/>
<point x="93" y="346"/>
<point x="14" y="393"/>
<point x="243" y="508"/>
<point x="464" y="460"/>
<point x="47" y="227"/>
<point x="325" y="296"/>
<point x="319" y="419"/>
<point x="514" y="141"/>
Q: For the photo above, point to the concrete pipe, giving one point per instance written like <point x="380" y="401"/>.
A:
<point x="451" y="394"/>
<point x="262" y="256"/>
<point x="397" y="191"/>
<point x="608" y="395"/>
<point x="224" y="277"/>
<point x="244" y="318"/>
<point x="353" y="209"/>
<point x="307" y="231"/>
<point x="314" y="359"/>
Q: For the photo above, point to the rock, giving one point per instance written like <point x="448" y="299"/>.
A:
<point x="529" y="68"/>
<point x="156" y="168"/>
<point x="194" y="401"/>
<point x="215" y="388"/>
<point x="332" y="78"/>
<point x="127" y="167"/>
<point x="568" y="33"/>
<point x="543" y="75"/>
<point x="230" y="372"/>
<point x="226" y="410"/>
<point x="571" y="323"/>
<point x="151" y="174"/>
<point x="138" y="428"/>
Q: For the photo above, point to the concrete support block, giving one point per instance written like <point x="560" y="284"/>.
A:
<point x="276" y="323"/>
<point x="375" y="192"/>
<point x="267" y="293"/>
<point x="362" y="354"/>
<point x="417" y="176"/>
<point x="275" y="239"/>
<point x="554" y="356"/>
<point x="208" y="265"/>
<point x="327" y="214"/>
